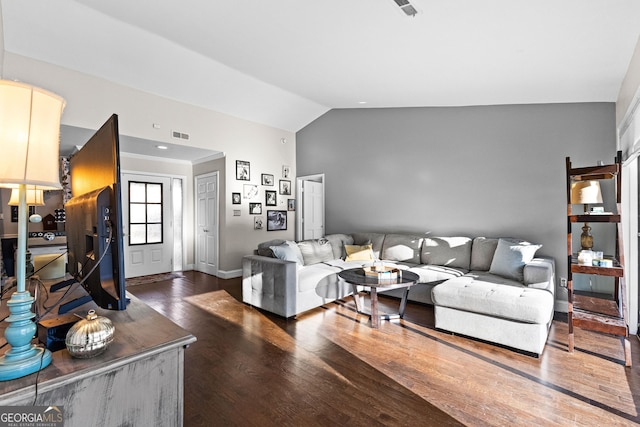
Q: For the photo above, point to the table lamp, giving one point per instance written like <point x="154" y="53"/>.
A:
<point x="586" y="193"/>
<point x="30" y="146"/>
<point x="35" y="197"/>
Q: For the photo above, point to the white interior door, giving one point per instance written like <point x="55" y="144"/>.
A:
<point x="312" y="209"/>
<point x="148" y="226"/>
<point x="207" y="223"/>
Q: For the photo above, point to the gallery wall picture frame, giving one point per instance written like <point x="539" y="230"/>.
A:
<point x="243" y="170"/>
<point x="270" y="198"/>
<point x="258" y="223"/>
<point x="250" y="191"/>
<point x="236" y="198"/>
<point x="276" y="220"/>
<point x="255" y="208"/>
<point x="285" y="187"/>
<point x="268" y="179"/>
<point x="291" y="204"/>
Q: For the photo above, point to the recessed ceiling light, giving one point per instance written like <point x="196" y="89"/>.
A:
<point x="162" y="147"/>
<point x="362" y="102"/>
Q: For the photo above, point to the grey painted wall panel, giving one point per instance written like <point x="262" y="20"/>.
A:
<point x="488" y="170"/>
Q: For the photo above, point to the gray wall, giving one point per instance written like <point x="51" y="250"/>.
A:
<point x="474" y="171"/>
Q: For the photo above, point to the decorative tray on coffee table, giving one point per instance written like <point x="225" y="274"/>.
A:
<point x="382" y="272"/>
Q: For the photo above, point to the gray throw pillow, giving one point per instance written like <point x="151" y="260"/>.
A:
<point x="337" y="242"/>
<point x="510" y="258"/>
<point x="288" y="251"/>
<point x="482" y="251"/>
<point x="264" y="248"/>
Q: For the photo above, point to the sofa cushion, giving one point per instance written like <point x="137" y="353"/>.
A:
<point x="288" y="251"/>
<point x="504" y="301"/>
<point x="312" y="276"/>
<point x="337" y="242"/>
<point x="448" y="251"/>
<point x="436" y="273"/>
<point x="401" y="247"/>
<point x="482" y="250"/>
<point x="315" y="251"/>
<point x="511" y="256"/>
<point x="264" y="248"/>
<point x="358" y="253"/>
<point x="375" y="239"/>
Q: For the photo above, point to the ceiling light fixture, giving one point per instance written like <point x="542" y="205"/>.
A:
<point x="162" y="147"/>
<point x="407" y="7"/>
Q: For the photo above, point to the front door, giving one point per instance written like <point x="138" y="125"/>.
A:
<point x="148" y="229"/>
<point x="207" y="223"/>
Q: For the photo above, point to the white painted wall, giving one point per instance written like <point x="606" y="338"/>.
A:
<point x="91" y="100"/>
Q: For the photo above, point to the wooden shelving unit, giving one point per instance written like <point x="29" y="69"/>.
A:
<point x="608" y="316"/>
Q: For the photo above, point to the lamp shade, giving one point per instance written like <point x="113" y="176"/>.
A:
<point x="29" y="136"/>
<point x="34" y="197"/>
<point x="586" y="192"/>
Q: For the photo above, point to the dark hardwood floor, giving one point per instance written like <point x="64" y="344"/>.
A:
<point x="328" y="367"/>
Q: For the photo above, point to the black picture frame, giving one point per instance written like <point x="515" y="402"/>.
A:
<point x="255" y="208"/>
<point x="270" y="198"/>
<point x="243" y="170"/>
<point x="236" y="198"/>
<point x="285" y="187"/>
<point x="268" y="180"/>
<point x="14" y="212"/>
<point x="276" y="220"/>
<point x="291" y="204"/>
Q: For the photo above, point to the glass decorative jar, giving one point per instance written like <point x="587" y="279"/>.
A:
<point x="90" y="337"/>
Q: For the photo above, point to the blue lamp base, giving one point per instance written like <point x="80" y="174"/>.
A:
<point x="23" y="358"/>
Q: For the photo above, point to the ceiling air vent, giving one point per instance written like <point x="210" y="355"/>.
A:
<point x="180" y="135"/>
<point x="406" y="7"/>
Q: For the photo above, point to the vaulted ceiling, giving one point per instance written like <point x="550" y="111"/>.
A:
<point x="286" y="62"/>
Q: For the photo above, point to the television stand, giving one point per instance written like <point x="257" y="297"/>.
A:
<point x="138" y="380"/>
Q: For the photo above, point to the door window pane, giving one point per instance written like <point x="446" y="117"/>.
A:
<point x="138" y="213"/>
<point x="154" y="233"/>
<point x="154" y="213"/>
<point x="137" y="192"/>
<point x="154" y="193"/>
<point x="137" y="235"/>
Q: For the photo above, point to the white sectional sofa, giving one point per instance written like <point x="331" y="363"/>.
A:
<point x="493" y="289"/>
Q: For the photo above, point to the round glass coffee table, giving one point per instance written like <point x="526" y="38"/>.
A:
<point x="356" y="277"/>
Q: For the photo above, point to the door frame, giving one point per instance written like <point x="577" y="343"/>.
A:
<point x="172" y="207"/>
<point x="195" y="222"/>
<point x="630" y="230"/>
<point x="300" y="208"/>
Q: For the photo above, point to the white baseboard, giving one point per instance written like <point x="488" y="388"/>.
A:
<point x="222" y="274"/>
<point x="230" y="274"/>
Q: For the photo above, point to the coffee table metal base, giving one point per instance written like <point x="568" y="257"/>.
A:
<point x="373" y="313"/>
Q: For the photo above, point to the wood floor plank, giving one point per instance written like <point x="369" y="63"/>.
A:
<point x="329" y="367"/>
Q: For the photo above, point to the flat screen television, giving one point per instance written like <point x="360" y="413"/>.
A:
<point x="94" y="221"/>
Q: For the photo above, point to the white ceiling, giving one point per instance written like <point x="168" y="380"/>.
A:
<point x="286" y="62"/>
